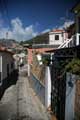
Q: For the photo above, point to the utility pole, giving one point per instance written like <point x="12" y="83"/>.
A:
<point x="6" y="38"/>
<point x="6" y="35"/>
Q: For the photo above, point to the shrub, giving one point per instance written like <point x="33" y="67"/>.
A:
<point x="73" y="66"/>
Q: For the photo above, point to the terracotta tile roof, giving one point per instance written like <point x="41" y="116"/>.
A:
<point x="57" y="30"/>
<point x="3" y="49"/>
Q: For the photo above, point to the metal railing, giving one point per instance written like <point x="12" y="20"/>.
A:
<point x="72" y="42"/>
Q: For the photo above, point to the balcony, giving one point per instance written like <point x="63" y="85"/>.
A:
<point x="72" y="42"/>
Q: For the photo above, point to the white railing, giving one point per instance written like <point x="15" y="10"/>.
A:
<point x="72" y="42"/>
<point x="65" y="44"/>
<point x="78" y="39"/>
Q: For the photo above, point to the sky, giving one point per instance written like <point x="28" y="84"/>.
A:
<point x="25" y="19"/>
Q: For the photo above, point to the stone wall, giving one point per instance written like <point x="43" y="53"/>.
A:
<point x="38" y="70"/>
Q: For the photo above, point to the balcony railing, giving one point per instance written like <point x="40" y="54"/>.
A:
<point x="72" y="42"/>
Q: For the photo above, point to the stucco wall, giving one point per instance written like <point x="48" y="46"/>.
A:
<point x="47" y="87"/>
<point x="30" y="53"/>
<point x="62" y="37"/>
<point x="6" y="59"/>
<point x="70" y="97"/>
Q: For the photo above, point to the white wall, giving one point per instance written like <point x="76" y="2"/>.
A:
<point x="0" y="63"/>
<point x="6" y="59"/>
<point x="70" y="97"/>
<point x="47" y="87"/>
<point x="52" y="38"/>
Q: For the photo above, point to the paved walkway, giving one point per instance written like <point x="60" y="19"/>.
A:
<point x="20" y="102"/>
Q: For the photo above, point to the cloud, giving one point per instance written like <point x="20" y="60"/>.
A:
<point x="18" y="32"/>
<point x="66" y="24"/>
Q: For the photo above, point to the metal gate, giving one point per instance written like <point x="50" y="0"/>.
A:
<point x="58" y="89"/>
<point x="58" y="80"/>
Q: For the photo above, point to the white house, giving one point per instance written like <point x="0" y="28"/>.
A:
<point x="74" y="40"/>
<point x="57" y="37"/>
<point x="6" y="64"/>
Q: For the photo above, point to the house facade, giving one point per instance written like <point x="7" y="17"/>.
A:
<point x="38" y="49"/>
<point x="6" y="64"/>
<point x="57" y="37"/>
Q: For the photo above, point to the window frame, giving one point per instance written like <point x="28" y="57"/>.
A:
<point x="57" y="37"/>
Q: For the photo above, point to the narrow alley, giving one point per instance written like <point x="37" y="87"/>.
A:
<point x="20" y="102"/>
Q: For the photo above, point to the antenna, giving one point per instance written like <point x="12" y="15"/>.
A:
<point x="6" y="35"/>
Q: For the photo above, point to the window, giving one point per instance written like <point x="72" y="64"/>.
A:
<point x="56" y="37"/>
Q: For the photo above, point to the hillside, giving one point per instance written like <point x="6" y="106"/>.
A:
<point x="40" y="39"/>
<point x="7" y="42"/>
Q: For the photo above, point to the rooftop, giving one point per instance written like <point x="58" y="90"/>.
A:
<point x="57" y="30"/>
<point x="43" y="46"/>
<point x="3" y="49"/>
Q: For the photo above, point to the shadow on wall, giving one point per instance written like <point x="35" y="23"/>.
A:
<point x="9" y="81"/>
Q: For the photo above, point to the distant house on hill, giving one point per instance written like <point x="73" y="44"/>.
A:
<point x="54" y="37"/>
<point x="45" y="42"/>
<point x="57" y="37"/>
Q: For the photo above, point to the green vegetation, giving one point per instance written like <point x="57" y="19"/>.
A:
<point x="73" y="66"/>
<point x="40" y="39"/>
<point x="46" y="59"/>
